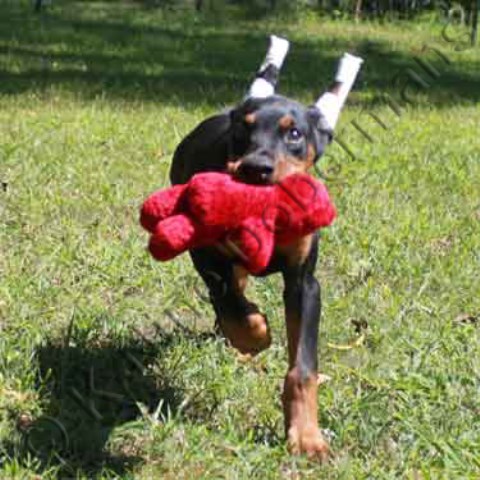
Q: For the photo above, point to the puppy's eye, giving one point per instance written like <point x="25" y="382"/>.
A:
<point x="294" y="135"/>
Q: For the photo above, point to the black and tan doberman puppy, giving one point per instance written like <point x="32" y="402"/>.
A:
<point x="262" y="141"/>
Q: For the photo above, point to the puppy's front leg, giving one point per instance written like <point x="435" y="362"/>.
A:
<point x="302" y="311"/>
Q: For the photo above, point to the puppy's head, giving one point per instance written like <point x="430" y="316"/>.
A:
<point x="275" y="137"/>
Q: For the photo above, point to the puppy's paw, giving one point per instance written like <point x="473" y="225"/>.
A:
<point x="249" y="335"/>
<point x="310" y="442"/>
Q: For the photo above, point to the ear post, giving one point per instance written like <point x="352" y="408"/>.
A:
<point x="331" y="102"/>
<point x="266" y="77"/>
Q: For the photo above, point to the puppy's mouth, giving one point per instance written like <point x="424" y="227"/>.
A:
<point x="252" y="173"/>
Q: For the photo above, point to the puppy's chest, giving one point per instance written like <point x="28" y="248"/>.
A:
<point x="294" y="253"/>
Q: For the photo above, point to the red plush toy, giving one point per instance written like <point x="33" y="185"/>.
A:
<point x="214" y="207"/>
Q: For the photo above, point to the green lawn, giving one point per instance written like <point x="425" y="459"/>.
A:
<point x="108" y="363"/>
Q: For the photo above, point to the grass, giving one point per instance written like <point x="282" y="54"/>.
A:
<point x="108" y="363"/>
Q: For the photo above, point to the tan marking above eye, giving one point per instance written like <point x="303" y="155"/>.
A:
<point x="286" y="121"/>
<point x="250" y="118"/>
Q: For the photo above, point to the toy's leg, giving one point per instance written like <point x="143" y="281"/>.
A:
<point x="238" y="319"/>
<point x="302" y="311"/>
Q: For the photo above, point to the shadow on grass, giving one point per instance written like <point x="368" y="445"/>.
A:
<point x="123" y="53"/>
<point x="179" y="63"/>
<point x="89" y="391"/>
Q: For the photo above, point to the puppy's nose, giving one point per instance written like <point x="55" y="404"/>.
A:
<point x="256" y="170"/>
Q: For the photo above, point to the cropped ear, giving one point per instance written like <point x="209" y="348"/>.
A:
<point x="239" y="133"/>
<point x="266" y="78"/>
<point x="236" y="114"/>
<point x="321" y="133"/>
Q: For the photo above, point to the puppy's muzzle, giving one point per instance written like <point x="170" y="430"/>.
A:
<point x="256" y="168"/>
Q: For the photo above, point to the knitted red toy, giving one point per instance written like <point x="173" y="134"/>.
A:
<point x="214" y="207"/>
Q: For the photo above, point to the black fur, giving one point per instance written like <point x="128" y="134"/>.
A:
<point x="228" y="137"/>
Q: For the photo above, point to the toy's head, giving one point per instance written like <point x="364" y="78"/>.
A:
<point x="274" y="137"/>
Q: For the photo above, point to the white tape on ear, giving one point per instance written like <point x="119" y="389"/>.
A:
<point x="347" y="72"/>
<point x="330" y="104"/>
<point x="277" y="51"/>
<point x="260" y="88"/>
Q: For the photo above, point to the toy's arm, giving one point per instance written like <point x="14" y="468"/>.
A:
<point x="160" y="205"/>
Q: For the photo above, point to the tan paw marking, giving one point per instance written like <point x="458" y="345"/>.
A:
<point x="309" y="442"/>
